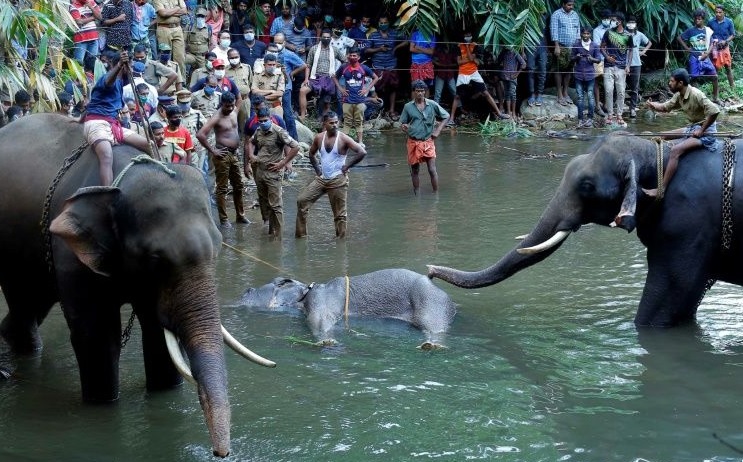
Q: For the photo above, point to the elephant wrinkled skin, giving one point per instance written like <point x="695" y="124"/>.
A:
<point x="151" y="242"/>
<point x="389" y="293"/>
<point x="682" y="233"/>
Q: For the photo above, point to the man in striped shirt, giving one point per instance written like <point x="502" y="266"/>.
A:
<point x="85" y="13"/>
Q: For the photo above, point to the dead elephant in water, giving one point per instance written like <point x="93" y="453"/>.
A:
<point x="390" y="293"/>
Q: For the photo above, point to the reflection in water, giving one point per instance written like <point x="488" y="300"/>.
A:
<point x="545" y="366"/>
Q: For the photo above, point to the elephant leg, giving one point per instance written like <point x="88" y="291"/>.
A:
<point x="321" y="319"/>
<point x="673" y="288"/>
<point x="27" y="308"/>
<point x="95" y="333"/>
<point x="159" y="369"/>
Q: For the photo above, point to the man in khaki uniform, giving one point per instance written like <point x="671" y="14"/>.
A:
<point x="164" y="59"/>
<point x="265" y="149"/>
<point x="201" y="72"/>
<point x="242" y="75"/>
<point x="270" y="84"/>
<point x="156" y="72"/>
<point x="207" y="99"/>
<point x="197" y="41"/>
<point x="169" y="29"/>
<point x="193" y="120"/>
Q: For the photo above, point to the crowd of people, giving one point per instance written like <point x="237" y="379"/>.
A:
<point x="190" y="83"/>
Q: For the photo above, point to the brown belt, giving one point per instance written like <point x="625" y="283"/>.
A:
<point x="169" y="26"/>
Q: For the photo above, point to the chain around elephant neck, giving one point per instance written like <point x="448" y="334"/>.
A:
<point x="728" y="185"/>
<point x="659" y="167"/>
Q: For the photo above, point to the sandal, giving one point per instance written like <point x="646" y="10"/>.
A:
<point x="531" y="101"/>
<point x="539" y="100"/>
<point x="394" y="116"/>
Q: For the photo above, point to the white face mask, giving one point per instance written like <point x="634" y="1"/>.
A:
<point x="606" y="22"/>
<point x="280" y="46"/>
<point x="224" y="43"/>
<point x="249" y="37"/>
<point x="631" y="26"/>
<point x="613" y="24"/>
<point x="468" y="39"/>
<point x="200" y="23"/>
<point x="234" y="61"/>
<point x="219" y="73"/>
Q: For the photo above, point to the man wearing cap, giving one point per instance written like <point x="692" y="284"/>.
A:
<point x="207" y="99"/>
<point x="155" y="70"/>
<point x="160" y="115"/>
<point x="418" y="121"/>
<point x="249" y="48"/>
<point x="169" y="30"/>
<point x="138" y="79"/>
<point x="192" y="120"/>
<point x="225" y="83"/>
<point x="270" y="84"/>
<point x="242" y="75"/>
<point x="197" y="41"/>
<point x="164" y="59"/>
<point x="202" y="72"/>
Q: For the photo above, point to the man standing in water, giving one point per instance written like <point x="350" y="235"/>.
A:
<point x="418" y="120"/>
<point x="224" y="156"/>
<point x="332" y="178"/>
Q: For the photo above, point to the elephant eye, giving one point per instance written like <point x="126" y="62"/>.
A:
<point x="586" y="186"/>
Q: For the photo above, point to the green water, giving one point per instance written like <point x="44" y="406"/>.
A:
<point x="545" y="366"/>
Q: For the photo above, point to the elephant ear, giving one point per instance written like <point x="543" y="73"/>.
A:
<point x="86" y="225"/>
<point x="629" y="200"/>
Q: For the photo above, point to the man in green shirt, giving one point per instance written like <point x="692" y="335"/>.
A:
<point x="418" y="121"/>
<point x="701" y="112"/>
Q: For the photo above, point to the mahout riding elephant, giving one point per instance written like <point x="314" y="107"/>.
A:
<point x="389" y="293"/>
<point x="150" y="240"/>
<point x="683" y="232"/>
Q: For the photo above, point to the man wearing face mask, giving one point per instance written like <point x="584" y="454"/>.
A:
<point x="270" y="84"/>
<point x="285" y="22"/>
<point x="164" y="59"/>
<point x="160" y="114"/>
<point x="360" y="33"/>
<point x="224" y="83"/>
<point x="342" y="43"/>
<point x="321" y="64"/>
<point x="169" y="13"/>
<point x="384" y="44"/>
<point x="152" y="94"/>
<point x="239" y="20"/>
<point x="224" y="44"/>
<point x="616" y="46"/>
<point x="299" y="39"/>
<point x="293" y="68"/>
<point x="249" y="48"/>
<point x="641" y="45"/>
<point x="142" y="106"/>
<point x="607" y="23"/>
<point x="197" y="41"/>
<point x="266" y="150"/>
<point x="202" y="72"/>
<point x="207" y="99"/>
<point x="177" y="137"/>
<point x="354" y="92"/>
<point x="156" y="72"/>
<point x="242" y="75"/>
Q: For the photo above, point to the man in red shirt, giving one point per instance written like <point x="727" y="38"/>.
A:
<point x="178" y="141"/>
<point x="85" y="13"/>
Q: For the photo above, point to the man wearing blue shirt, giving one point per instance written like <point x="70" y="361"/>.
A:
<point x="383" y="45"/>
<point x="292" y="65"/>
<point x="144" y="15"/>
<point x="723" y="31"/>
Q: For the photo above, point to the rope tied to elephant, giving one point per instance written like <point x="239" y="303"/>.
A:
<point x="345" y="308"/>
<point x="141" y="159"/>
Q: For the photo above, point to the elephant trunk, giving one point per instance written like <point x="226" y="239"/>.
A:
<point x="552" y="229"/>
<point x="196" y="323"/>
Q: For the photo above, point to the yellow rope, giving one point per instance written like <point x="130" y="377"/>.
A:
<point x="345" y="310"/>
<point x="242" y="252"/>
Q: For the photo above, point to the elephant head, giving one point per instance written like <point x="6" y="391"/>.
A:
<point x="281" y="294"/>
<point x="600" y="187"/>
<point x="151" y="242"/>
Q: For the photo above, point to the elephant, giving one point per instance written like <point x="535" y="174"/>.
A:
<point x="389" y="293"/>
<point x="150" y="241"/>
<point x="682" y="232"/>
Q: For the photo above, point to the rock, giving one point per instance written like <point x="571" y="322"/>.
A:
<point x="378" y="124"/>
<point x="555" y="125"/>
<point x="548" y="109"/>
<point x="304" y="134"/>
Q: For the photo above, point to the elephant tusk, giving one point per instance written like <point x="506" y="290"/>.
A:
<point x="521" y="237"/>
<point x="548" y="244"/>
<point x="243" y="351"/>
<point x="174" y="349"/>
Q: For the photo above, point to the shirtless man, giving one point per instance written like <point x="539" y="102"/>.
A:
<point x="226" y="166"/>
<point x="334" y="147"/>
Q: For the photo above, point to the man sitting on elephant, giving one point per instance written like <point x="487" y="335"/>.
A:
<point x="101" y="125"/>
<point x="701" y="112"/>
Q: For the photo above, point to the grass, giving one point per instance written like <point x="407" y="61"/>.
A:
<point x="503" y="129"/>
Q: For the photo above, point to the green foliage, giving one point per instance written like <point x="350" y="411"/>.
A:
<point x="503" y="129"/>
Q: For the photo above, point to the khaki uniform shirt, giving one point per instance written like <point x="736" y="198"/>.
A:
<point x="155" y="117"/>
<point x="197" y="75"/>
<point x="694" y="103"/>
<point x="175" y="67"/>
<point x="270" y="145"/>
<point x="243" y="78"/>
<point x="208" y="106"/>
<point x="154" y="71"/>
<point x="269" y="82"/>
<point x="193" y="122"/>
<point x="197" y="41"/>
<point x="167" y="5"/>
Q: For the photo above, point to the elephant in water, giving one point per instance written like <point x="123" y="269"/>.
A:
<point x="150" y="241"/>
<point x="390" y="293"/>
<point x="683" y="233"/>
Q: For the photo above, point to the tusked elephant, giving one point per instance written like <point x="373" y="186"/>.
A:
<point x="393" y="293"/>
<point x="151" y="241"/>
<point x="682" y="232"/>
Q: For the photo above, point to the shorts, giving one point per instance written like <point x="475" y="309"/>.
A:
<point x="697" y="67"/>
<point x="100" y="130"/>
<point x="420" y="150"/>
<point x="708" y="139"/>
<point x="422" y="72"/>
<point x="722" y="58"/>
<point x="469" y="85"/>
<point x="388" y="80"/>
<point x="564" y="61"/>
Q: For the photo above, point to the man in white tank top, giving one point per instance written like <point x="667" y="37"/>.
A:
<point x="332" y="174"/>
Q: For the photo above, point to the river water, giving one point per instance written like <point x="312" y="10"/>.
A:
<point x="545" y="366"/>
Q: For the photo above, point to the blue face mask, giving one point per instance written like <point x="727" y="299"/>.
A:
<point x="208" y="91"/>
<point x="164" y="57"/>
<point x="384" y="27"/>
<point x="265" y="126"/>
